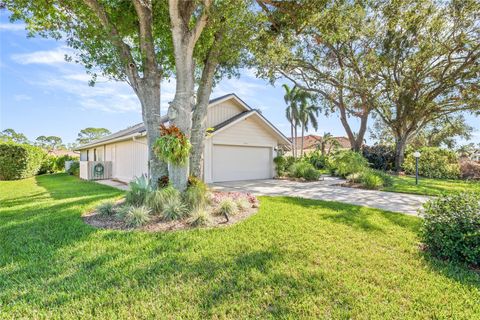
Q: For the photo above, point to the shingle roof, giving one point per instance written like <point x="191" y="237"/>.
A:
<point x="232" y="119"/>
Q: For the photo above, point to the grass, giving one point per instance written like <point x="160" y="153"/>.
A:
<point x="432" y="187"/>
<point x="294" y="259"/>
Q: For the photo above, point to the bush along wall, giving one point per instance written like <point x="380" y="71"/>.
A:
<point x="380" y="157"/>
<point x="434" y="163"/>
<point x="19" y="161"/>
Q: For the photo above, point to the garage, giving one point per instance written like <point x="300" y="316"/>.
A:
<point x="230" y="163"/>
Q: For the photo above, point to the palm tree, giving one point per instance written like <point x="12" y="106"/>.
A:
<point x="292" y="113"/>
<point x="307" y="114"/>
<point x="328" y="139"/>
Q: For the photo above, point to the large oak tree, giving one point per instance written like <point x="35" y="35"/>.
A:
<point x="143" y="42"/>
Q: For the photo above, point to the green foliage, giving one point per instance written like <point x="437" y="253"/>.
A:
<point x="280" y="165"/>
<point x="48" y="164"/>
<point x="106" y="208"/>
<point x="90" y="134"/>
<point x="370" y="180"/>
<point x="347" y="162"/>
<point x="451" y="228"/>
<point x="122" y="211"/>
<point x="172" y="145"/>
<point x="195" y="196"/>
<point x="318" y="160"/>
<point x="311" y="174"/>
<point x="380" y="156"/>
<point x="60" y="162"/>
<point x="19" y="161"/>
<point x="74" y="169"/>
<point x="173" y="208"/>
<point x="10" y="135"/>
<point x="434" y="163"/>
<point x="49" y="143"/>
<point x="137" y="216"/>
<point x="156" y="199"/>
<point x="227" y="207"/>
<point x="138" y="191"/>
<point x="298" y="169"/>
<point x="200" y="218"/>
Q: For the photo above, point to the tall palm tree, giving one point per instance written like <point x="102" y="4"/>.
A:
<point x="307" y="114"/>
<point x="291" y="112"/>
<point x="328" y="139"/>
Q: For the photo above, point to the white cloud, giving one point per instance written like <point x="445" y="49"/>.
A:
<point x="21" y="97"/>
<point x="49" y="57"/>
<point x="12" y="26"/>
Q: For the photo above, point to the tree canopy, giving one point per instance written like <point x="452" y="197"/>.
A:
<point x="10" y="135"/>
<point x="90" y="134"/>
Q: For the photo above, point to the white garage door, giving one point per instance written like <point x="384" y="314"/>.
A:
<point x="230" y="163"/>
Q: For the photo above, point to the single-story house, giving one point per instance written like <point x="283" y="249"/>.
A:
<point x="312" y="143"/>
<point x="240" y="146"/>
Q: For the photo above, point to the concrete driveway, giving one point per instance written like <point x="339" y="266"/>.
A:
<point x="329" y="190"/>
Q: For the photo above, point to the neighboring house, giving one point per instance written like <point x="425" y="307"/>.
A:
<point x="312" y="142"/>
<point x="240" y="146"/>
<point x="63" y="152"/>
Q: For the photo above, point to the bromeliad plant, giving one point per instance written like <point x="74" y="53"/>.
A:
<point x="172" y="146"/>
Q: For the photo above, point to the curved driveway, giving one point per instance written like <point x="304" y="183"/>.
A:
<point x="329" y="190"/>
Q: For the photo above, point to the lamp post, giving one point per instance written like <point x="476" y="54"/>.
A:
<point x="416" y="154"/>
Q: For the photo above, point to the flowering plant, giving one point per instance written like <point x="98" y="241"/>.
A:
<point x="172" y="145"/>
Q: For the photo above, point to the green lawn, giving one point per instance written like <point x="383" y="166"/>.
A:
<point x="431" y="187"/>
<point x="294" y="259"/>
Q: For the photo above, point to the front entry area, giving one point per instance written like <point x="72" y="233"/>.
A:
<point x="231" y="163"/>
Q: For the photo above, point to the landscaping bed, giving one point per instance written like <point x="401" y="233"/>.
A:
<point x="157" y="223"/>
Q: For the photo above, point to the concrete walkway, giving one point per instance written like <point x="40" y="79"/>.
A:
<point x="113" y="183"/>
<point x="329" y="190"/>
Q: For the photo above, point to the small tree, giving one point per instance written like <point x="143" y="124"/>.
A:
<point x="90" y="134"/>
<point x="10" y="135"/>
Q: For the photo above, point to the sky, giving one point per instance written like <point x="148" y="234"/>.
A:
<point x="42" y="94"/>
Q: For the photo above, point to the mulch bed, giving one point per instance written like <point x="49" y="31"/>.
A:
<point x="157" y="224"/>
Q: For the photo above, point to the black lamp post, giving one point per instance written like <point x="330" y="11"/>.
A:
<point x="416" y="154"/>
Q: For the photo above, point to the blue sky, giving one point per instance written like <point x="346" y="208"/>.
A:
<point x="42" y="94"/>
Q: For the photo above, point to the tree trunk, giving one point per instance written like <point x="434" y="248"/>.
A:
<point x="293" y="138"/>
<point x="149" y="94"/>
<point x="180" y="110"/>
<point x="199" y="122"/>
<point x="400" y="145"/>
<point x="303" y="135"/>
<point x="296" y="138"/>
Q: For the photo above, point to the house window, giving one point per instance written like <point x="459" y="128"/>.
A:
<point x="94" y="154"/>
<point x="88" y="155"/>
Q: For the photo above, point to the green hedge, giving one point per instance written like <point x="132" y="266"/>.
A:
<point x="434" y="163"/>
<point x="19" y="161"/>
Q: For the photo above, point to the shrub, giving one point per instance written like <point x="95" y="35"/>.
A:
<point x="155" y="200"/>
<point x="227" y="207"/>
<point x="311" y="174"/>
<point x="299" y="168"/>
<point x="470" y="169"/>
<point x="200" y="217"/>
<point x="60" y="162"/>
<point x="318" y="160"/>
<point x="434" y="163"/>
<point x="106" y="208"/>
<point x="137" y="216"/>
<point x="19" y="161"/>
<point x="48" y="164"/>
<point x="280" y="165"/>
<point x="173" y="208"/>
<point x="74" y="169"/>
<point x="196" y="195"/>
<point x="243" y="204"/>
<point x="347" y="162"/>
<point x="387" y="179"/>
<point x="122" y="211"/>
<point x="139" y="189"/>
<point x="381" y="157"/>
<point x="172" y="145"/>
<point x="371" y="180"/>
<point x="163" y="182"/>
<point x="451" y="228"/>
